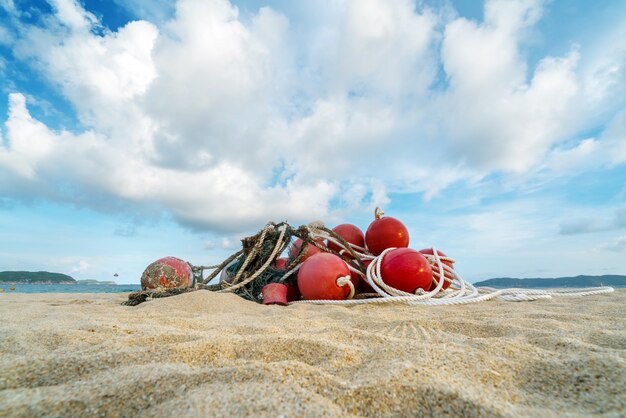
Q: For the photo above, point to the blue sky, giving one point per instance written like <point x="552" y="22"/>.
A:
<point x="132" y="130"/>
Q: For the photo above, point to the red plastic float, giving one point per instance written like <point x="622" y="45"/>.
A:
<point x="446" y="284"/>
<point x="351" y="233"/>
<point x="168" y="273"/>
<point x="385" y="232"/>
<point x="274" y="294"/>
<point x="281" y="264"/>
<point x="317" y="277"/>
<point x="406" y="269"/>
<point x="311" y="251"/>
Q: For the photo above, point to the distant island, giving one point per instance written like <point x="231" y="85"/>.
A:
<point x="35" y="277"/>
<point x="97" y="282"/>
<point x="46" y="277"/>
<point x="578" y="281"/>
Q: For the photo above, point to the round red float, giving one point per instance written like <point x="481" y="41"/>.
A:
<point x="446" y="284"/>
<point x="281" y="263"/>
<point x="317" y="277"/>
<point x="351" y="233"/>
<point x="406" y="269"/>
<point x="311" y="250"/>
<point x="385" y="232"/>
<point x="168" y="273"/>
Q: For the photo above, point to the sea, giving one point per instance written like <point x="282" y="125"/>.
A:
<point x="69" y="288"/>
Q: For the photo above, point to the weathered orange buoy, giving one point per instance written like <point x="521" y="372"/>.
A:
<point x="317" y="277"/>
<point x="274" y="294"/>
<point x="385" y="232"/>
<point x="435" y="282"/>
<point x="311" y="249"/>
<point x="406" y="269"/>
<point x="351" y="233"/>
<point x="167" y="272"/>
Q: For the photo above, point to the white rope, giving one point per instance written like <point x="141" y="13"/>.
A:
<point x="460" y="292"/>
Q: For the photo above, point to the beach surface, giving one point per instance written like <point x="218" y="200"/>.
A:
<point x="207" y="354"/>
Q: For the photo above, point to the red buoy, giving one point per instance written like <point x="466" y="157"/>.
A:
<point x="351" y="233"/>
<point x="385" y="232"/>
<point x="317" y="277"/>
<point x="311" y="249"/>
<point x="274" y="294"/>
<point x="281" y="264"/>
<point x="406" y="269"/>
<point x="446" y="284"/>
<point x="293" y="293"/>
<point x="167" y="272"/>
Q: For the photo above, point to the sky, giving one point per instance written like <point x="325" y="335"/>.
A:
<point x="131" y="130"/>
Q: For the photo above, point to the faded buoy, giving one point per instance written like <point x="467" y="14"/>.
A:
<point x="385" y="232"/>
<point x="318" y="278"/>
<point x="168" y="273"/>
<point x="406" y="269"/>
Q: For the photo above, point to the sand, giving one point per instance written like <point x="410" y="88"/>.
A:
<point x="206" y="354"/>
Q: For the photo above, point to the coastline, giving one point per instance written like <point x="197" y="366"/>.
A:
<point x="216" y="354"/>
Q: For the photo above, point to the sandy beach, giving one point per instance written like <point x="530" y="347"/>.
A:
<point x="204" y="354"/>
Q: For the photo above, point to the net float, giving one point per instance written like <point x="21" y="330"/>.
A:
<point x="293" y="293"/>
<point x="311" y="249"/>
<point x="318" y="278"/>
<point x="274" y="294"/>
<point x="351" y="233"/>
<point x="435" y="282"/>
<point x="385" y="232"/>
<point x="406" y="269"/>
<point x="168" y="273"/>
<point x="281" y="264"/>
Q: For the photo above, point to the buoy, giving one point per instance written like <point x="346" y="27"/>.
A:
<point x="406" y="269"/>
<point x="167" y="272"/>
<point x="317" y="277"/>
<point x="311" y="250"/>
<point x="281" y="264"/>
<point x="293" y="293"/>
<point x="351" y="233"/>
<point x="274" y="294"/>
<point x="385" y="232"/>
<point x="446" y="284"/>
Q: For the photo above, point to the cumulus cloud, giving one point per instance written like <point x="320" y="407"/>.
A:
<point x="226" y="122"/>
<point x="81" y="267"/>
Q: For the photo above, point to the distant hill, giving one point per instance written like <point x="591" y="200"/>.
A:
<point x="35" y="277"/>
<point x="578" y="281"/>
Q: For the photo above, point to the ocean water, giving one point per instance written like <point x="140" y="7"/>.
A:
<point x="69" y="288"/>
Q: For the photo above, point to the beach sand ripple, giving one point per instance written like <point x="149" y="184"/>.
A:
<point x="206" y="354"/>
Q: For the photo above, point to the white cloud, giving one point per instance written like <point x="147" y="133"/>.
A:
<point x="81" y="267"/>
<point x="226" y="123"/>
<point x="617" y="245"/>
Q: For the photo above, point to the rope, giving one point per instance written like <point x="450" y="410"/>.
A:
<point x="279" y="247"/>
<point x="460" y="292"/>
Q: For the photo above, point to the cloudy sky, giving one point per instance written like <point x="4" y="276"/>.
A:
<point x="135" y="129"/>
